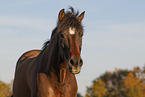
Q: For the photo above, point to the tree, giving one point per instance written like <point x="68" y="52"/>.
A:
<point x="97" y="89"/>
<point x="79" y="95"/>
<point x="114" y="82"/>
<point x="5" y="89"/>
<point x="134" y="86"/>
<point x="120" y="83"/>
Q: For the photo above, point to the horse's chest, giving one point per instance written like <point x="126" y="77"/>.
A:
<point x="50" y="88"/>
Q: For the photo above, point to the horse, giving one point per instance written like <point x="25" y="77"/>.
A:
<point x="50" y="72"/>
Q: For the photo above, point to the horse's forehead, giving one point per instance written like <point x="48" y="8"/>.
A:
<point x="72" y="30"/>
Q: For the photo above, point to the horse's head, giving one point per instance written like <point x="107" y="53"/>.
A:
<point x="70" y="39"/>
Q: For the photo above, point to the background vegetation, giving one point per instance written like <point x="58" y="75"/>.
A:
<point x="119" y="83"/>
<point x="5" y="89"/>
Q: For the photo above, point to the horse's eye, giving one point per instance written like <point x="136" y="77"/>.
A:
<point x="81" y="34"/>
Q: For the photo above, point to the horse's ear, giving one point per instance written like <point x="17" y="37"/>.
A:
<point x="61" y="15"/>
<point x="81" y="16"/>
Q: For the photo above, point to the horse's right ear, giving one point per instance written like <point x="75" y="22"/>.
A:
<point x="61" y="15"/>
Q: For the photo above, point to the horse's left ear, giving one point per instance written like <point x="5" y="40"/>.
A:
<point x="61" y="15"/>
<point x="81" y="16"/>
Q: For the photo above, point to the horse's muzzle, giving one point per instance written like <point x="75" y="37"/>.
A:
<point x="75" y="64"/>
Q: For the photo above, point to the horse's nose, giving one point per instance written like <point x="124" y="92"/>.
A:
<point x="76" y="61"/>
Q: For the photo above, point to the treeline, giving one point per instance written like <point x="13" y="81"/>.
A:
<point x="5" y="89"/>
<point x="119" y="83"/>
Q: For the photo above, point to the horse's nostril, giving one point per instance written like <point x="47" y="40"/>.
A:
<point x="71" y="61"/>
<point x="76" y="61"/>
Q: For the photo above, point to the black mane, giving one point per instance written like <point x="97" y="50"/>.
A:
<point x="47" y="42"/>
<point x="70" y="20"/>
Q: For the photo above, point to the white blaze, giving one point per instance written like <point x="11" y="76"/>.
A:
<point x="72" y="30"/>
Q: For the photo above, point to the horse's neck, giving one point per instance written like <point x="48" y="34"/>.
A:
<point x="50" y="57"/>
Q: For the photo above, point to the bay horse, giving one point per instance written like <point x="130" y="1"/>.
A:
<point x="50" y="72"/>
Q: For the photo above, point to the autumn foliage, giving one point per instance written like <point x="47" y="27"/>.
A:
<point x="120" y="83"/>
<point x="5" y="89"/>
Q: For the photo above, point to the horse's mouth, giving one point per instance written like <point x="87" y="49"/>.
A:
<point x="74" y="70"/>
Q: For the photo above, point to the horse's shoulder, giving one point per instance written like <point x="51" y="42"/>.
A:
<point x="29" y="54"/>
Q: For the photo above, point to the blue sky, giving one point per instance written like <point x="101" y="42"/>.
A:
<point x="114" y="33"/>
